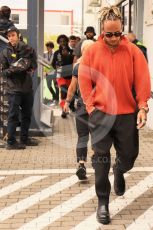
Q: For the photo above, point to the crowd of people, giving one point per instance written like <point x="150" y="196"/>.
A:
<point x="105" y="78"/>
<point x="62" y="62"/>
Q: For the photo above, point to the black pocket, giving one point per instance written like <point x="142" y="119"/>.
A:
<point x="96" y="117"/>
<point x="93" y="112"/>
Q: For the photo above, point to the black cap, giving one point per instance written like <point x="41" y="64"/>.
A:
<point x="13" y="29"/>
<point x="90" y="29"/>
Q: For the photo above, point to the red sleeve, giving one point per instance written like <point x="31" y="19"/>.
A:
<point x="142" y="82"/>
<point x="85" y="81"/>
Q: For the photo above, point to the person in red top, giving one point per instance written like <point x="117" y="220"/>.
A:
<point x="114" y="82"/>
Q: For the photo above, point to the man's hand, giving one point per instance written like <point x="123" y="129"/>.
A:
<point x="66" y="107"/>
<point x="141" y="118"/>
<point x="31" y="71"/>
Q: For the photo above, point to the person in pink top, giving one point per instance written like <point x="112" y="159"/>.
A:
<point x="114" y="81"/>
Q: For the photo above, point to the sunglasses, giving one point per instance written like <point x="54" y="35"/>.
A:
<point x="111" y="34"/>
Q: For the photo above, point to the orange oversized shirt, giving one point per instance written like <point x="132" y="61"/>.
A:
<point x="107" y="79"/>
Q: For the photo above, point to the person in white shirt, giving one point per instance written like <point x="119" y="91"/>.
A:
<point x="48" y="55"/>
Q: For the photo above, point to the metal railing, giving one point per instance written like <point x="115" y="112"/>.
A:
<point x="46" y="113"/>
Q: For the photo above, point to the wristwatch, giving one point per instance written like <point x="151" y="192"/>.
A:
<point x="146" y="109"/>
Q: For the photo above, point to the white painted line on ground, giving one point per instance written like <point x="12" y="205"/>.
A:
<point x="39" y="171"/>
<point x="49" y="217"/>
<point x="142" y="169"/>
<point x="145" y="221"/>
<point x="20" y="184"/>
<point x="62" y="171"/>
<point x="119" y="204"/>
<point x="36" y="198"/>
<point x="2" y="177"/>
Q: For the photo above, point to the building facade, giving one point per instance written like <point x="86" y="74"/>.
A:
<point x="55" y="21"/>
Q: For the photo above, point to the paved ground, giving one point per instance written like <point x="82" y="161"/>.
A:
<point x="39" y="189"/>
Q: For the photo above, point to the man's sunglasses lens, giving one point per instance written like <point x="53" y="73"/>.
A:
<point x="110" y="34"/>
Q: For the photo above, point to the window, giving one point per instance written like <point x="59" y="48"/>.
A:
<point x="132" y="17"/>
<point x="126" y="18"/>
<point x="15" y="18"/>
<point x="65" y="20"/>
<point x="127" y="10"/>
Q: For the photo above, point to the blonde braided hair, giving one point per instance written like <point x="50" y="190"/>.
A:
<point x="110" y="13"/>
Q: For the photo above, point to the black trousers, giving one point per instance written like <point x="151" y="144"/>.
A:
<point x="20" y="104"/>
<point x="106" y="130"/>
<point x="83" y="133"/>
<point x="51" y="79"/>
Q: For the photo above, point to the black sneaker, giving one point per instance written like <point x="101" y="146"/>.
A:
<point x="30" y="142"/>
<point x="15" y="145"/>
<point x="119" y="182"/>
<point x="81" y="172"/>
<point x="64" y="115"/>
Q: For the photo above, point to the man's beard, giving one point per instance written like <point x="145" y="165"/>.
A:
<point x="112" y="45"/>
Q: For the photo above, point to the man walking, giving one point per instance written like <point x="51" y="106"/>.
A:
<point x="109" y="71"/>
<point x="81" y="117"/>
<point x="18" y="63"/>
<point x="62" y="63"/>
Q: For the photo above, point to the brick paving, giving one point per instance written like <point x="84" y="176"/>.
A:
<point x="36" y="200"/>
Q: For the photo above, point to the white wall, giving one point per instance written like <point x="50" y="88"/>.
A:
<point x="90" y="16"/>
<point x="111" y="2"/>
<point x="148" y="35"/>
<point x="22" y="18"/>
<point x="148" y="41"/>
<point x="53" y="24"/>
